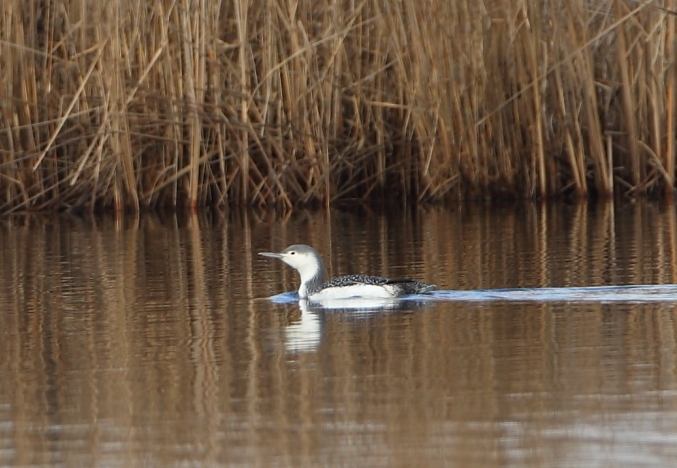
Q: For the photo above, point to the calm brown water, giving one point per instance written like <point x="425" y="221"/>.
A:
<point x="149" y="342"/>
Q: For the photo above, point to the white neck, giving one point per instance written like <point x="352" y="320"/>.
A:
<point x="309" y="271"/>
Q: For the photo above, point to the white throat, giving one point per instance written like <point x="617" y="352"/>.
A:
<point x="308" y="268"/>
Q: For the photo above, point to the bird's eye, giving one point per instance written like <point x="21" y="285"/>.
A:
<point x="292" y="253"/>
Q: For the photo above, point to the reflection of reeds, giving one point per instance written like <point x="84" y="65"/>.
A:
<point x="150" y="332"/>
<point x="280" y="102"/>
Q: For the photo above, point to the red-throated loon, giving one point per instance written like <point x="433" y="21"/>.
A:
<point x="310" y="266"/>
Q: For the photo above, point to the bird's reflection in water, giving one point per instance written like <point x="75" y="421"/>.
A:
<point x="305" y="334"/>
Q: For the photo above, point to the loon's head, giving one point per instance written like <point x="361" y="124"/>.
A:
<point x="305" y="260"/>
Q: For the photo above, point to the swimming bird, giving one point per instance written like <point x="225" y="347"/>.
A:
<point x="310" y="266"/>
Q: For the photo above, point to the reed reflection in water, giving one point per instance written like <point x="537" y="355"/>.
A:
<point x="150" y="341"/>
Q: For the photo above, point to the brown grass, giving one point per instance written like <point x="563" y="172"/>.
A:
<point x="285" y="102"/>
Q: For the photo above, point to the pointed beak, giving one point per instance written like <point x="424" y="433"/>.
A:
<point x="270" y="254"/>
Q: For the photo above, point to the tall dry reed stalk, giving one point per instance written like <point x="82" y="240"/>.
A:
<point x="284" y="102"/>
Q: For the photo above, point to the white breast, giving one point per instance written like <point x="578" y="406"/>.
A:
<point x="385" y="291"/>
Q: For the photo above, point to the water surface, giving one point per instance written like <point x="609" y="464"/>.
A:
<point x="151" y="341"/>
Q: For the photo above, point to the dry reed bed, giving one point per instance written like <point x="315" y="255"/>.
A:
<point x="285" y="102"/>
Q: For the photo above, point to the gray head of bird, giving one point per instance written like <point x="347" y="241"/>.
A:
<point x="302" y="258"/>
